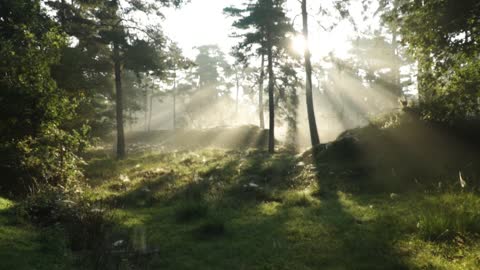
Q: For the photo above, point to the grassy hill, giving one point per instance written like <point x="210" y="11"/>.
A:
<point x="351" y="204"/>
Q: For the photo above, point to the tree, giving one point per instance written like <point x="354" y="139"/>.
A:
<point x="176" y="62"/>
<point x="308" y="83"/>
<point x="447" y="55"/>
<point x="261" y="79"/>
<point x="265" y="25"/>
<point x="37" y="146"/>
<point x="138" y="41"/>
<point x="211" y="86"/>
<point x="84" y="69"/>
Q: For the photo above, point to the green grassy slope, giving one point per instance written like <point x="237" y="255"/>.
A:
<point x="25" y="247"/>
<point x="217" y="209"/>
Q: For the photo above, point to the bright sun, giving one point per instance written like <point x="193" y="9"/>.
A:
<point x="298" y="44"/>
<point x="321" y="45"/>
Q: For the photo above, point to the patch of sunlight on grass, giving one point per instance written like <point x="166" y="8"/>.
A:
<point x="428" y="255"/>
<point x="358" y="211"/>
<point x="130" y="218"/>
<point x="301" y="198"/>
<point x="5" y="204"/>
<point x="269" y="209"/>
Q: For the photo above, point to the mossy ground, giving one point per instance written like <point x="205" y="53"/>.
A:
<point x="219" y="209"/>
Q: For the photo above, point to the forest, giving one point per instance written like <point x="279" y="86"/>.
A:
<point x="239" y="134"/>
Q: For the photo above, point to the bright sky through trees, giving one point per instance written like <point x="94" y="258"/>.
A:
<point x="207" y="24"/>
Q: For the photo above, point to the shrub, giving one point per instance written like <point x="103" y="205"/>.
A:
<point x="86" y="226"/>
<point x="49" y="159"/>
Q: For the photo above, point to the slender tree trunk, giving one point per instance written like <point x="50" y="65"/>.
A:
<point x="236" y="99"/>
<point x="147" y="111"/>
<point x="271" y="101"/>
<point x="151" y="111"/>
<point x="308" y="69"/>
<point x="119" y="102"/>
<point x="396" y="67"/>
<point x="260" y="93"/>
<point x="174" y="100"/>
<point x="63" y="14"/>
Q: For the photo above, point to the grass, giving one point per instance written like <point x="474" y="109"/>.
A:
<point x="247" y="210"/>
<point x="219" y="209"/>
<point x="25" y="247"/>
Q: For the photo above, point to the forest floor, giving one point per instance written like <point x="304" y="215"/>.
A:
<point x="223" y="209"/>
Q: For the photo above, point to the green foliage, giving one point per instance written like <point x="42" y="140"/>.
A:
<point x="447" y="55"/>
<point x="86" y="226"/>
<point x="48" y="159"/>
<point x="37" y="144"/>
<point x="455" y="99"/>
<point x="259" y="22"/>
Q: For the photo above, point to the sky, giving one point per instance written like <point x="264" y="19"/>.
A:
<point x="202" y="22"/>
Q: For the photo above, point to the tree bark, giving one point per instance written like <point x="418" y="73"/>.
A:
<point x="260" y="93"/>
<point x="151" y="111"/>
<point x="308" y="70"/>
<point x="271" y="101"/>
<point x="119" y="102"/>
<point x="147" y="111"/>
<point x="236" y="99"/>
<point x="396" y="65"/>
<point x="174" y="100"/>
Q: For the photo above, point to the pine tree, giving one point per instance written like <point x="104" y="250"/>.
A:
<point x="264" y="27"/>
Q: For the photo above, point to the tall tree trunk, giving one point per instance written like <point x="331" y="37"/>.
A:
<point x="147" y="111"/>
<point x="308" y="69"/>
<point x="271" y="101"/>
<point x="236" y="99"/>
<point x="174" y="100"/>
<point x="260" y="93"/>
<point x="151" y="111"/>
<point x="396" y="64"/>
<point x="119" y="102"/>
<point x="63" y="15"/>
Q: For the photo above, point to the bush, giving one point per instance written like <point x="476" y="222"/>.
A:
<point x="86" y="226"/>
<point x="49" y="159"/>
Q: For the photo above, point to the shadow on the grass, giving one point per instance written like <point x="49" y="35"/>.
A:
<point x="234" y="227"/>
